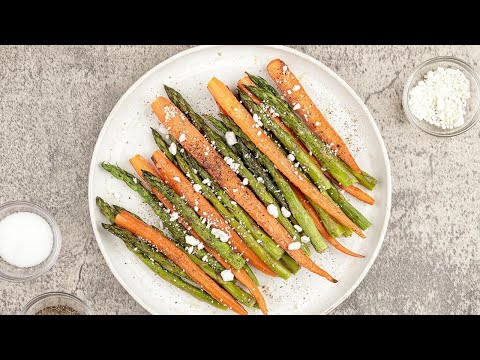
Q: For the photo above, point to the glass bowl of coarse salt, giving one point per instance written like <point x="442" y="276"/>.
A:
<point x="30" y="241"/>
<point x="442" y="96"/>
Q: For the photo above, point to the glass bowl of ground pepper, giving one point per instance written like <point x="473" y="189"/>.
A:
<point x="56" y="303"/>
<point x="442" y="96"/>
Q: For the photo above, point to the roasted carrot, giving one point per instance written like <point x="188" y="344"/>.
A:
<point x="298" y="97"/>
<point x="352" y="190"/>
<point x="244" y="120"/>
<point x="193" y="142"/>
<point x="318" y="223"/>
<point x="170" y="250"/>
<point x="139" y="164"/>
<point x="181" y="185"/>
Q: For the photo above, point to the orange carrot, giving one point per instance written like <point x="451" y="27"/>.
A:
<point x="244" y="120"/>
<point x="174" y="178"/>
<point x="318" y="223"/>
<point x="296" y="95"/>
<point x="170" y="250"/>
<point x="177" y="123"/>
<point x="352" y="190"/>
<point x="140" y="164"/>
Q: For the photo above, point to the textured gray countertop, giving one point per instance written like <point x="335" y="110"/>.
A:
<point x="54" y="100"/>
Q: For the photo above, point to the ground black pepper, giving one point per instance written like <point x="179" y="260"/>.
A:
<point x="58" y="310"/>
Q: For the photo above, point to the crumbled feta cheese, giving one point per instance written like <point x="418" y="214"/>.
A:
<point x="260" y="180"/>
<point x="284" y="69"/>
<point x="227" y="275"/>
<point x="173" y="148"/>
<point x="207" y="182"/>
<point x="259" y="133"/>
<point x="296" y="107"/>
<point x="176" y="178"/>
<point x="174" y="216"/>
<point x="317" y="123"/>
<point x="294" y="246"/>
<point x="190" y="249"/>
<point x="200" y="246"/>
<point x="298" y="228"/>
<point x="305" y="239"/>
<point x="190" y="240"/>
<point x="195" y="208"/>
<point x="272" y="210"/>
<point x="291" y="157"/>
<point x="285" y="212"/>
<point x="221" y="235"/>
<point x="296" y="88"/>
<point x="245" y="181"/>
<point x="182" y="138"/>
<point x="205" y="258"/>
<point x="135" y="180"/>
<point x="234" y="190"/>
<point x="231" y="138"/>
<point x="197" y="187"/>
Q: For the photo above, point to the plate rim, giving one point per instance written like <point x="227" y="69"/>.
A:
<point x="295" y="52"/>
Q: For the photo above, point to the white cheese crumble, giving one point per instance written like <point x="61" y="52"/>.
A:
<point x="296" y="88"/>
<point x="227" y="275"/>
<point x="260" y="180"/>
<point x="294" y="246"/>
<point x="298" y="228"/>
<point x="291" y="157"/>
<point x="197" y="187"/>
<point x="173" y="149"/>
<point x="207" y="182"/>
<point x="176" y="178"/>
<point x="182" y="138"/>
<point x="296" y="107"/>
<point x="441" y="98"/>
<point x="231" y="138"/>
<point x="285" y="212"/>
<point x="174" y="216"/>
<point x="272" y="210"/>
<point x="221" y="235"/>
<point x="305" y="239"/>
<point x="200" y="246"/>
<point x="205" y="258"/>
<point x="245" y="181"/>
<point x="190" y="240"/>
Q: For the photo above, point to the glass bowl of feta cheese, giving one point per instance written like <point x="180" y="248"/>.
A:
<point x="442" y="96"/>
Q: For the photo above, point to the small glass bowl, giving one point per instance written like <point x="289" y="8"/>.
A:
<point x="55" y="299"/>
<point x="17" y="274"/>
<point x="473" y="104"/>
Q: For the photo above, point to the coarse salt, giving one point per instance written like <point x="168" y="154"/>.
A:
<point x="441" y="98"/>
<point x="26" y="239"/>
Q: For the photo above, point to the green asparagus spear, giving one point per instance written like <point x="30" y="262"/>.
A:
<point x="198" y="225"/>
<point x="241" y="215"/>
<point x="313" y="171"/>
<point x="239" y="294"/>
<point x="258" y="188"/>
<point x="290" y="263"/>
<point x="178" y="233"/>
<point x="228" y="216"/>
<point x="305" y="221"/>
<point x="333" y="164"/>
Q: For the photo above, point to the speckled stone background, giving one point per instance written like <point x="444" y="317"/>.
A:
<point x="54" y="100"/>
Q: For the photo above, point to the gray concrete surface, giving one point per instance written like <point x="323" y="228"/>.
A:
<point x="54" y="100"/>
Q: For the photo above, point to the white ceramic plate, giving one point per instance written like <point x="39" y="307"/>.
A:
<point x="127" y="132"/>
